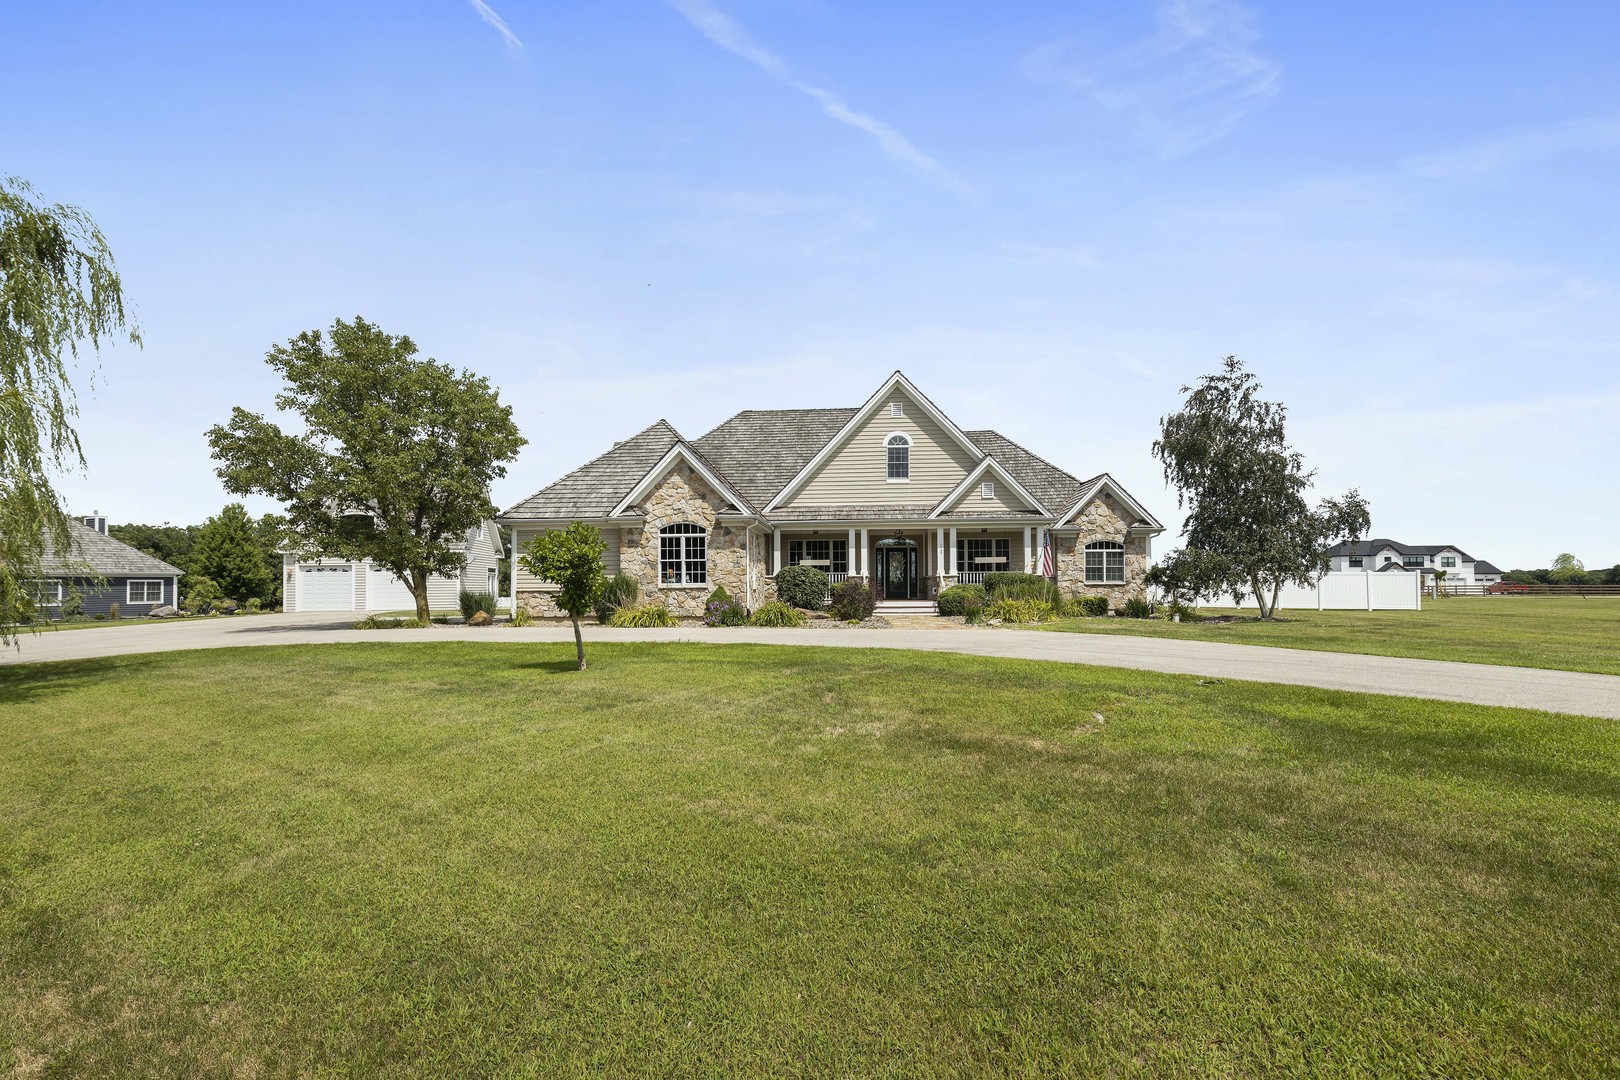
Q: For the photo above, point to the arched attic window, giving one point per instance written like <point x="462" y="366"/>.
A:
<point x="899" y="447"/>
<point x="683" y="554"/>
<point x="1105" y="562"/>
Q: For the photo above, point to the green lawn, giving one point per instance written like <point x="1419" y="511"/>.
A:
<point x="1567" y="633"/>
<point x="461" y="859"/>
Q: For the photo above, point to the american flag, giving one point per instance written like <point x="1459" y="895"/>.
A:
<point x="1046" y="555"/>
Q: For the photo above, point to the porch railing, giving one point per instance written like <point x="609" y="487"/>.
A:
<point x="971" y="577"/>
<point x="835" y="578"/>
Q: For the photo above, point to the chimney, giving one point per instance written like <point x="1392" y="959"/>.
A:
<point x="96" y="521"/>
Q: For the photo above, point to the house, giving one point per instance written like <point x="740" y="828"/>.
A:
<point x="1385" y="556"/>
<point x="99" y="572"/>
<point x="312" y="583"/>
<point x="893" y="491"/>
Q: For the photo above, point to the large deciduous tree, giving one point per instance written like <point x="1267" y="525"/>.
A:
<point x="1249" y="528"/>
<point x="571" y="559"/>
<point x="1567" y="570"/>
<point x="59" y="288"/>
<point x="396" y="458"/>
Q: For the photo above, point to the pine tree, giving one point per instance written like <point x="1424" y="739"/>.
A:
<point x="229" y="552"/>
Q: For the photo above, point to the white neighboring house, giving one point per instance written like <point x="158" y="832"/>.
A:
<point x="1381" y="556"/>
<point x="316" y="584"/>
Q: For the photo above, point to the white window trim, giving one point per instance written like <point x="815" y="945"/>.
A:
<point x="56" y="582"/>
<point x="897" y="409"/>
<point x="686" y="537"/>
<point x="906" y="479"/>
<point x="1085" y="563"/>
<point x="129" y="597"/>
<point x="987" y="490"/>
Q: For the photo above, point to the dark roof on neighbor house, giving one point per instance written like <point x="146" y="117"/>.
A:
<point x="1483" y="567"/>
<point x="757" y="453"/>
<point x="1373" y="547"/>
<point x="100" y="555"/>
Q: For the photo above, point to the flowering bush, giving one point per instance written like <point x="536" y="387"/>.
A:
<point x="725" y="613"/>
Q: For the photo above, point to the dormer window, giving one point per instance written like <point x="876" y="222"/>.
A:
<point x="899" y="447"/>
<point x="897" y="408"/>
<point x="987" y="490"/>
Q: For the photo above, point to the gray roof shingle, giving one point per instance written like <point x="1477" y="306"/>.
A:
<point x="103" y="556"/>
<point x="759" y="450"/>
<point x="1373" y="547"/>
<point x="1048" y="483"/>
<point x="595" y="488"/>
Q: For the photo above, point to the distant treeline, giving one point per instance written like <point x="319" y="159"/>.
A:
<point x="1611" y="576"/>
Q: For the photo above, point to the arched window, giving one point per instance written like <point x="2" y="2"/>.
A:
<point x="899" y="456"/>
<point x="683" y="554"/>
<point x="1105" y="562"/>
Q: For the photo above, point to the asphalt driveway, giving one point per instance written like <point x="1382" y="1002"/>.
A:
<point x="1480" y="684"/>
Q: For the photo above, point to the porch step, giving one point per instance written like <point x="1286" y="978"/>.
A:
<point x="907" y="607"/>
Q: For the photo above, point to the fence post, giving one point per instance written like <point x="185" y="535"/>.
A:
<point x="1366" y="576"/>
<point x="1319" y="582"/>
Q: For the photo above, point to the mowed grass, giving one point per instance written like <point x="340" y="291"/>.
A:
<point x="706" y="860"/>
<point x="1566" y="633"/>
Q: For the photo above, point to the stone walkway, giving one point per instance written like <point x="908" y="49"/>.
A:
<point x="1481" y="684"/>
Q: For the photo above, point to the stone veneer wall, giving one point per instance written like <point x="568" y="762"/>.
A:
<point x="682" y="497"/>
<point x="1104" y="518"/>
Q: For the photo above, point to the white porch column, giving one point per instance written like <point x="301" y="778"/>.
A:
<point x="1040" y="542"/>
<point x="1029" y="556"/>
<point x="865" y="570"/>
<point x="849" y="555"/>
<point x="776" y="552"/>
<point x="951" y="560"/>
<point x="939" y="552"/>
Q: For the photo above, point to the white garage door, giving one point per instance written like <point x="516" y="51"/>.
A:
<point x="385" y="592"/>
<point x="325" y="588"/>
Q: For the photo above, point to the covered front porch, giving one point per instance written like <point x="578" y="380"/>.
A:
<point x="909" y="560"/>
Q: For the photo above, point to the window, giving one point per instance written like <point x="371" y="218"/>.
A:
<point x="1411" y="560"/>
<point x="683" y="554"/>
<point x="897" y="408"/>
<point x="831" y="556"/>
<point x="1448" y="560"/>
<point x="983" y="553"/>
<point x="987" y="490"/>
<point x="45" y="593"/>
<point x="899" y="457"/>
<point x="144" y="592"/>
<point x="1105" y="562"/>
<point x="1355" y="562"/>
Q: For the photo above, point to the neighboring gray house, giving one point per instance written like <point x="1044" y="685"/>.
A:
<point x="892" y="491"/>
<point x="100" y="571"/>
<point x="1385" y="556"/>
<point x="311" y="583"/>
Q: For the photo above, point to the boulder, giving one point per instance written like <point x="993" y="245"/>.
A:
<point x="167" y="611"/>
<point x="480" y="618"/>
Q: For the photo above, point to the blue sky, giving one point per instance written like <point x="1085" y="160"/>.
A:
<point x="1051" y="215"/>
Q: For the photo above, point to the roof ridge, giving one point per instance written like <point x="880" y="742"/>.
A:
<point x="1034" y="455"/>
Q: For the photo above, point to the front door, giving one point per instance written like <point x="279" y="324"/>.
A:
<point x="900" y="574"/>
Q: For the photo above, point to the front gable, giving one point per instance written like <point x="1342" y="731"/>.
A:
<point x="853" y="468"/>
<point x="989" y="490"/>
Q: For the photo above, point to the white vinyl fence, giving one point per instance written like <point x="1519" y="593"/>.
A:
<point x="1354" y="591"/>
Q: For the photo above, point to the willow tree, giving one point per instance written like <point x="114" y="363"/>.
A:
<point x="396" y="456"/>
<point x="59" y="293"/>
<point x="1249" y="528"/>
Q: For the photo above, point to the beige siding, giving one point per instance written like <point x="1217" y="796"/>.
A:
<point x="1004" y="500"/>
<point x="289" y="583"/>
<point x="522" y="534"/>
<point x="857" y="471"/>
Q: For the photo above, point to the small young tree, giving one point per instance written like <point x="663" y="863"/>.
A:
<point x="571" y="559"/>
<point x="1568" y="570"/>
<point x="396" y="458"/>
<point x="228" y="550"/>
<point x="1227" y="455"/>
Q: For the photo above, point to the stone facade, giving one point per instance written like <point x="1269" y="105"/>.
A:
<point x="683" y="497"/>
<point x="1103" y="518"/>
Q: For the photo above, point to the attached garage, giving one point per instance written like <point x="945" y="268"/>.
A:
<point x="385" y="592"/>
<point x="326" y="588"/>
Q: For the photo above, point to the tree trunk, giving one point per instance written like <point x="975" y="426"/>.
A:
<point x="579" y="643"/>
<point x="419" y="593"/>
<point x="1259" y="596"/>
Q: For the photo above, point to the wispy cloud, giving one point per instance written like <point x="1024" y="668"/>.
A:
<point x="727" y="33"/>
<point x="1186" y="85"/>
<point x="1494" y="155"/>
<point x="488" y="14"/>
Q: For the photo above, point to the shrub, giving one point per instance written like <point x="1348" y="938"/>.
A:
<point x="253" y="606"/>
<point x="202" y="595"/>
<point x="474" y="602"/>
<point x="226" y="606"/>
<point x="853" y="600"/>
<point x="113" y="610"/>
<point x="72" y="606"/>
<point x="1019" y="611"/>
<point x="956" y="599"/>
<point x="1091" y="606"/>
<point x="776" y="613"/>
<point x="719" y="596"/>
<point x="726" y="612"/>
<point x="621" y="591"/>
<point x="377" y="622"/>
<point x="802" y="587"/>
<point x="1136" y="608"/>
<point x="520" y="617"/>
<point x="650" y="615"/>
<point x="973" y="612"/>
